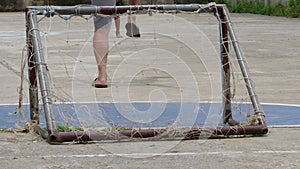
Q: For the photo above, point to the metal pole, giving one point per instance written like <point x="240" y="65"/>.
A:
<point x="156" y="134"/>
<point x="33" y="89"/>
<point x="42" y="72"/>
<point x="267" y="3"/>
<point x="109" y="10"/>
<point x="224" y="45"/>
<point x="244" y="68"/>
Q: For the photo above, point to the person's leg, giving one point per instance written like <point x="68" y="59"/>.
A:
<point x="100" y="42"/>
<point x="101" y="48"/>
<point x="131" y="27"/>
<point x="117" y="24"/>
<point x="132" y="18"/>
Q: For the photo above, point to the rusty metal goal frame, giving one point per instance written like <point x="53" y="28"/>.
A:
<point x="38" y="70"/>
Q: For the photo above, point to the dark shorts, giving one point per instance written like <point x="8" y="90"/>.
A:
<point x="103" y="21"/>
<point x="119" y="3"/>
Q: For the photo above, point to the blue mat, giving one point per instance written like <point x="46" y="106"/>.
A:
<point x="148" y="114"/>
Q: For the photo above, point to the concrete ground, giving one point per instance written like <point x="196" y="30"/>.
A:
<point x="271" y="45"/>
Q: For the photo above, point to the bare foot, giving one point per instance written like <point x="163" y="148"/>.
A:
<point x="118" y="35"/>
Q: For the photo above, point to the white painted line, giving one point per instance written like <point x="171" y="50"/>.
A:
<point x="12" y="104"/>
<point x="144" y="155"/>
<point x="96" y="102"/>
<point x="284" y="126"/>
<point x="281" y="104"/>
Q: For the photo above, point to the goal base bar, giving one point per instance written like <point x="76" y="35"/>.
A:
<point x="184" y="133"/>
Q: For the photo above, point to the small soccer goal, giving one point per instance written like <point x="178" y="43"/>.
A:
<point x="186" y="77"/>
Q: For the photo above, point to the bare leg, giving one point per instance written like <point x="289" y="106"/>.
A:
<point x="117" y="24"/>
<point x="101" y="47"/>
<point x="132" y="18"/>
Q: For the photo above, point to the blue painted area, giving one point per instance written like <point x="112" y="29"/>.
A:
<point x="8" y="118"/>
<point x="149" y="114"/>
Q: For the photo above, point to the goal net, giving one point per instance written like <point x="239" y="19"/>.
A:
<point x="185" y="77"/>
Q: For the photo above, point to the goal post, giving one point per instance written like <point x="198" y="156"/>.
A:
<point x="38" y="72"/>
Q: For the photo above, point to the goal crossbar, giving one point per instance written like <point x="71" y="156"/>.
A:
<point x="110" y="10"/>
<point x="38" y="70"/>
